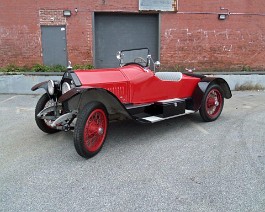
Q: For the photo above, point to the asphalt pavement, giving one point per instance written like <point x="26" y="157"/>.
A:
<point x="182" y="164"/>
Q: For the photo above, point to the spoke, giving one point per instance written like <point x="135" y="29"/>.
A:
<point x="94" y="132"/>
<point x="92" y="140"/>
<point x="213" y="102"/>
<point x="100" y="120"/>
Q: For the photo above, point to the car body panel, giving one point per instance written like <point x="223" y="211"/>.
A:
<point x="134" y="84"/>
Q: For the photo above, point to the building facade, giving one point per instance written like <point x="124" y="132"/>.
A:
<point x="208" y="35"/>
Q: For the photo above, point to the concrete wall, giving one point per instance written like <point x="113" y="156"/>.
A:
<point x="237" y="80"/>
<point x="22" y="84"/>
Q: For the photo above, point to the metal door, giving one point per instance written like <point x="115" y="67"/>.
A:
<point x="54" y="45"/>
<point x="114" y="32"/>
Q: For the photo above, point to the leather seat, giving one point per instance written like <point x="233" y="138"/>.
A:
<point x="169" y="76"/>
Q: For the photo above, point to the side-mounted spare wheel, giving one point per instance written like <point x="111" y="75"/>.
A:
<point x="43" y="124"/>
<point x="91" y="129"/>
<point x="212" y="103"/>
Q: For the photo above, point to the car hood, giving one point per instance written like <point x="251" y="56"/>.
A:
<point x="100" y="76"/>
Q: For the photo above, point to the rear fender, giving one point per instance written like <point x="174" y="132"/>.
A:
<point x="202" y="88"/>
<point x="77" y="98"/>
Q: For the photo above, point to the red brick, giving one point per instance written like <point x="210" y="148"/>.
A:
<point x="188" y="39"/>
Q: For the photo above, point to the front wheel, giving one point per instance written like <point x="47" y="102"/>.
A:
<point x="91" y="129"/>
<point x="43" y="124"/>
<point x="212" y="103"/>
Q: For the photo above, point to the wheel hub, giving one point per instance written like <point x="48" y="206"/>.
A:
<point x="213" y="102"/>
<point x="100" y="130"/>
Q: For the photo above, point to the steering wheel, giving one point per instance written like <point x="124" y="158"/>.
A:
<point x="137" y="61"/>
<point x="133" y="63"/>
<point x="140" y="60"/>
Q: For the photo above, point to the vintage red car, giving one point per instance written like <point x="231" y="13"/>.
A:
<point x="87" y="100"/>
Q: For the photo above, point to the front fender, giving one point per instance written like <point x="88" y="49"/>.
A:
<point x="70" y="94"/>
<point x="43" y="85"/>
<point x="77" y="98"/>
<point x="202" y="88"/>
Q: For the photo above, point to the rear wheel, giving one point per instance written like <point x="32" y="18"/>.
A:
<point x="43" y="124"/>
<point x="91" y="129"/>
<point x="212" y="103"/>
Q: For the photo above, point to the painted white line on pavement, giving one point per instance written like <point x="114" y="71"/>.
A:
<point x="200" y="128"/>
<point x="8" y="99"/>
<point x="23" y="109"/>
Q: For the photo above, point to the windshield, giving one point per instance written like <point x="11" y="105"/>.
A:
<point x="138" y="56"/>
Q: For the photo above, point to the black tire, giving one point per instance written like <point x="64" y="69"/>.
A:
<point x="91" y="129"/>
<point x="41" y="122"/>
<point x="212" y="103"/>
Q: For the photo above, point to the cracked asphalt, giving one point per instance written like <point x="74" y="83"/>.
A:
<point x="182" y="164"/>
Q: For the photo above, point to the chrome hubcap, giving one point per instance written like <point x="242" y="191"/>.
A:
<point x="100" y="130"/>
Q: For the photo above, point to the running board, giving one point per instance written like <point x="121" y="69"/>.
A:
<point x="154" y="119"/>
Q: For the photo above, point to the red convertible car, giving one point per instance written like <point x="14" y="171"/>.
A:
<point x="87" y="100"/>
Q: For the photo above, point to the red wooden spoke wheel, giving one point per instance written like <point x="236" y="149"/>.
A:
<point x="91" y="129"/>
<point x="212" y="103"/>
<point x="95" y="130"/>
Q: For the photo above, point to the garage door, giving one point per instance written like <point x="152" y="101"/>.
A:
<point x="114" y="32"/>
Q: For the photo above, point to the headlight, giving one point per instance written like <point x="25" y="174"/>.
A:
<point x="51" y="87"/>
<point x="65" y="87"/>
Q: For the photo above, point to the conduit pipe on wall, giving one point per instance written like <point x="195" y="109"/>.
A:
<point x="256" y="14"/>
<point x="198" y="13"/>
<point x="214" y="13"/>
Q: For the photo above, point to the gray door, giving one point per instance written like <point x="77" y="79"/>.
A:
<point x="114" y="32"/>
<point x="54" y="45"/>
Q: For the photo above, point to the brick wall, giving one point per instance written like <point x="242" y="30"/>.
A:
<point x="51" y="17"/>
<point x="193" y="37"/>
<point x="19" y="33"/>
<point x="201" y="40"/>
